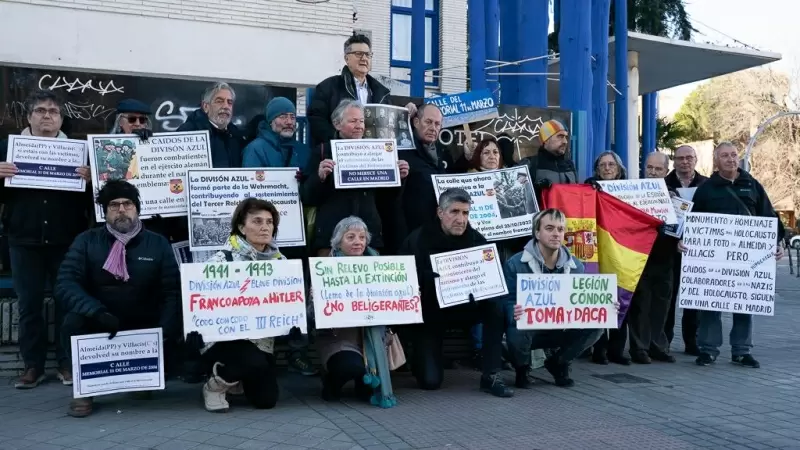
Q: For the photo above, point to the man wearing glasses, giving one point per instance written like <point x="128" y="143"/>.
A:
<point x="683" y="176"/>
<point x="40" y="225"/>
<point x="353" y="83"/>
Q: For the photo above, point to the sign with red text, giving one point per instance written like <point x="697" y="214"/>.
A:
<point x="558" y="301"/>
<point x="477" y="271"/>
<point x="365" y="291"/>
<point x="649" y="195"/>
<point x="226" y="301"/>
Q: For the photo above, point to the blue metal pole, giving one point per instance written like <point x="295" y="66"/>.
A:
<point x="609" y="126"/>
<point x="574" y="42"/>
<point x="647" y="131"/>
<point x="621" y="82"/>
<point x="532" y="24"/>
<point x="601" y="12"/>
<point x="492" y="21"/>
<point x="477" y="49"/>
<point x="418" y="48"/>
<point x="509" y="84"/>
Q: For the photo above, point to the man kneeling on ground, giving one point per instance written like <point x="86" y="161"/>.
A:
<point x="118" y="277"/>
<point x="544" y="254"/>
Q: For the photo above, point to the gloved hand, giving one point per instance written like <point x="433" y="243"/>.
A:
<point x="471" y="298"/>
<point x="595" y="185"/>
<point x="544" y="183"/>
<point x="194" y="342"/>
<point x="109" y="323"/>
<point x="143" y="133"/>
<point x="295" y="333"/>
<point x="435" y="275"/>
<point x="299" y="175"/>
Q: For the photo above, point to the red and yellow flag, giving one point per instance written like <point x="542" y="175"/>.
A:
<point x="622" y="236"/>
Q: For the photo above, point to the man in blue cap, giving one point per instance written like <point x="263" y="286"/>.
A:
<point x="133" y="117"/>
<point x="275" y="145"/>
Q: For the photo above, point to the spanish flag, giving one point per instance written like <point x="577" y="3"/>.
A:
<point x="624" y="234"/>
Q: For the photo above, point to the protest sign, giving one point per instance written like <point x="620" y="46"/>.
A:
<point x="466" y="107"/>
<point x="687" y="193"/>
<point x="46" y="163"/>
<point x="184" y="255"/>
<point x="365" y="163"/>
<point x="215" y="193"/>
<point x="558" y="301"/>
<point x="226" y="301"/>
<point x="730" y="263"/>
<point x="157" y="167"/>
<point x="648" y="194"/>
<point x="132" y="361"/>
<point x="477" y="271"/>
<point x="365" y="291"/>
<point x="682" y="207"/>
<point x="503" y="201"/>
<point x="388" y="122"/>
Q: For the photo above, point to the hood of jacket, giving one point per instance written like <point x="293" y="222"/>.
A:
<point x="27" y="132"/>
<point x="532" y="255"/>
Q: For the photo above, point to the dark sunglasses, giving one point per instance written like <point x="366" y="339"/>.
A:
<point x="135" y="119"/>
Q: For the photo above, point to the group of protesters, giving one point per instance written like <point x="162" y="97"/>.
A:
<point x="123" y="275"/>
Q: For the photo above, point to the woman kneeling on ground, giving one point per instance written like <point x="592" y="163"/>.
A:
<point x="342" y="350"/>
<point x="244" y="366"/>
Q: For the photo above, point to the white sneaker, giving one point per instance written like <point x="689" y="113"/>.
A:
<point x="214" y="392"/>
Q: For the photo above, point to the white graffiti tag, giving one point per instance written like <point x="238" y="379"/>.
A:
<point x="170" y="121"/>
<point x="102" y="88"/>
<point x="514" y="128"/>
<point x="87" y="111"/>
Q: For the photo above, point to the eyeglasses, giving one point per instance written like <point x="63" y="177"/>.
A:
<point x="361" y="55"/>
<point x="607" y="165"/>
<point x="44" y="111"/>
<point x="136" y="119"/>
<point x="116" y="206"/>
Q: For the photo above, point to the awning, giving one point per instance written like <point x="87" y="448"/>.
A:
<point x="665" y="63"/>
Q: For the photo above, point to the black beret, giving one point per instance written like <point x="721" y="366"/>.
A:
<point x="132" y="106"/>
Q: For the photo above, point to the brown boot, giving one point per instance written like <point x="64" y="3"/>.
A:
<point x="80" y="407"/>
<point x="30" y="379"/>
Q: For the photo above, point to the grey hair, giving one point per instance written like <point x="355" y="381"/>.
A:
<point x="724" y="144"/>
<point x="552" y="213"/>
<point x="117" y="129"/>
<point x="344" y="105"/>
<point x="685" y="146"/>
<point x="208" y="95"/>
<point x="453" y="195"/>
<point x="666" y="158"/>
<point x="623" y="172"/>
<point x="345" y="225"/>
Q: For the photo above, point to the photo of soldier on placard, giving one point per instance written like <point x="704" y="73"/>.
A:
<point x="388" y="122"/>
<point x="210" y="230"/>
<point x="116" y="159"/>
<point x="514" y="194"/>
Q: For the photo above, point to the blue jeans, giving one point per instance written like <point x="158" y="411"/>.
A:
<point x="709" y="333"/>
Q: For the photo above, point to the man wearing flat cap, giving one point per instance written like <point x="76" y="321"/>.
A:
<point x="133" y="117"/>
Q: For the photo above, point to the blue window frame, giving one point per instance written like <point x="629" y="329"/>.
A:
<point x="400" y="36"/>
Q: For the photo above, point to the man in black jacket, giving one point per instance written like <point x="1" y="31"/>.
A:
<point x="683" y="176"/>
<point x="40" y="225"/>
<point x="733" y="191"/>
<point x="214" y="115"/>
<point x="354" y="83"/>
<point x="118" y="277"/>
<point x="551" y="164"/>
<point x="451" y="232"/>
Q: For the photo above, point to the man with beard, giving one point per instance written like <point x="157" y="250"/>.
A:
<point x="551" y="165"/>
<point x="214" y="115"/>
<point x="118" y="277"/>
<point x="40" y="224"/>
<point x="450" y="232"/>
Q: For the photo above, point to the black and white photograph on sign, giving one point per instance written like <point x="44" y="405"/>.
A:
<point x="210" y="231"/>
<point x="514" y="194"/>
<point x="388" y="122"/>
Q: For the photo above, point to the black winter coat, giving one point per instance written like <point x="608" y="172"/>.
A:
<point x="43" y="217"/>
<point x="422" y="243"/>
<point x="674" y="183"/>
<point x="327" y="96"/>
<point x="226" y="145"/>
<point x="333" y="204"/>
<point x="152" y="295"/>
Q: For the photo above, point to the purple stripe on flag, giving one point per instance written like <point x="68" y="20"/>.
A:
<point x="591" y="267"/>
<point x="624" y="298"/>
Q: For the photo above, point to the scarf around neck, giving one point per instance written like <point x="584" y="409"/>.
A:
<point x="115" y="262"/>
<point x="241" y="247"/>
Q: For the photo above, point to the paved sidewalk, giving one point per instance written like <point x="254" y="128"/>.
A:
<point x="660" y="406"/>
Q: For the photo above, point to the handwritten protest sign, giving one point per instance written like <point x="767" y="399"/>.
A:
<point x="649" y="195"/>
<point x="682" y="207"/>
<point x="477" y="271"/>
<point x="157" y="167"/>
<point x="503" y="201"/>
<point x="225" y="301"/>
<point x="466" y="107"/>
<point x="388" y="122"/>
<point x="46" y="163"/>
<point x="730" y="263"/>
<point x="555" y="302"/>
<point x="365" y="291"/>
<point x="184" y="255"/>
<point x="132" y="361"/>
<point x="365" y="163"/>
<point x="215" y="193"/>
